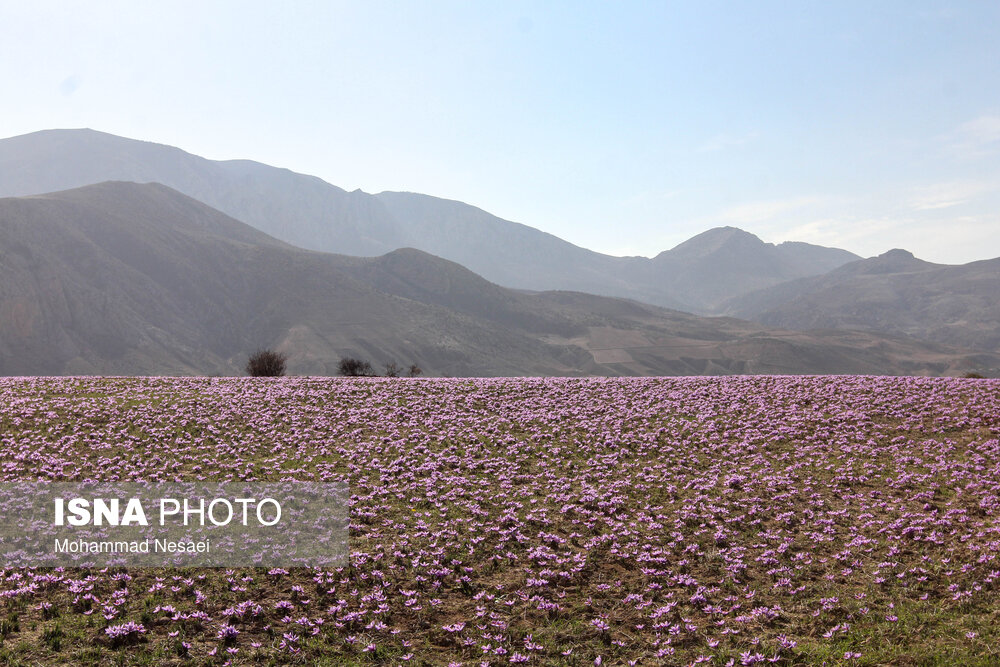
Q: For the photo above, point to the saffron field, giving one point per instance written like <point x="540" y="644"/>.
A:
<point x="719" y="521"/>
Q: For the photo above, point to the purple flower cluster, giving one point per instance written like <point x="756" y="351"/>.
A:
<point x="125" y="631"/>
<point x="736" y="520"/>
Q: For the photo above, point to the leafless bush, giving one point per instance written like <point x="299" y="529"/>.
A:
<point x="266" y="363"/>
<point x="351" y="367"/>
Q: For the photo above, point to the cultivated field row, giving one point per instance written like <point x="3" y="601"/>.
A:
<point x="736" y="520"/>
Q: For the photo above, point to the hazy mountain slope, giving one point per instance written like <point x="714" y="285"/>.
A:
<point x="310" y="213"/>
<point x="515" y="255"/>
<point x="296" y="208"/>
<point x="726" y="261"/>
<point x="894" y="292"/>
<point x="125" y="278"/>
<point x="121" y="278"/>
<point x="628" y="337"/>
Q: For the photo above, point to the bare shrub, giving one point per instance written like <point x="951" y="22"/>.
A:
<point x="266" y="363"/>
<point x="351" y="367"/>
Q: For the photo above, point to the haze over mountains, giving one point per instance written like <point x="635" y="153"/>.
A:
<point x="696" y="276"/>
<point x="132" y="276"/>
<point x="140" y="279"/>
<point x="894" y="292"/>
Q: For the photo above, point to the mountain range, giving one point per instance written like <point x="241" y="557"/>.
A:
<point x="126" y="278"/>
<point x="128" y="257"/>
<point x="894" y="292"/>
<point x="305" y="211"/>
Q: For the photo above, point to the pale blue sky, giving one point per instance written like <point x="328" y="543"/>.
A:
<point x="625" y="127"/>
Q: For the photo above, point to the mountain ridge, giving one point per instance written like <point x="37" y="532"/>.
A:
<point x="894" y="292"/>
<point x="310" y="213"/>
<point x="123" y="278"/>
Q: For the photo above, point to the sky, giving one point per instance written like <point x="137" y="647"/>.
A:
<point x="623" y="127"/>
